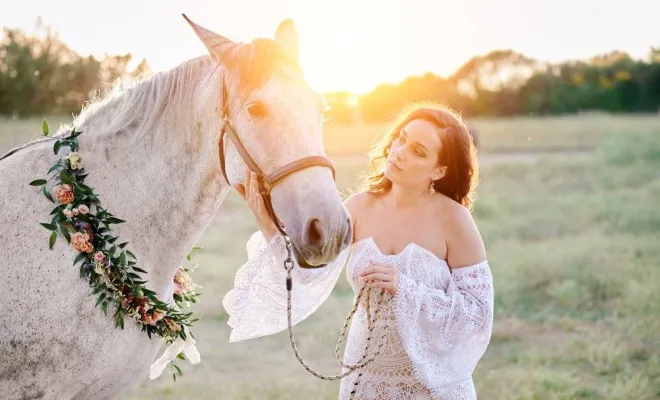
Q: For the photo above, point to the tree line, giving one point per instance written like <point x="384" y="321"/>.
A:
<point x="507" y="83"/>
<point x="40" y="74"/>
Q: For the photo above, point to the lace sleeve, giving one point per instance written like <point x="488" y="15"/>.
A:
<point x="257" y="303"/>
<point x="446" y="330"/>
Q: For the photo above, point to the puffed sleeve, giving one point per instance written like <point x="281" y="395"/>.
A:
<point x="446" y="330"/>
<point x="257" y="303"/>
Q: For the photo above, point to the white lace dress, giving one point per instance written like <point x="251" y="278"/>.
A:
<point x="440" y="320"/>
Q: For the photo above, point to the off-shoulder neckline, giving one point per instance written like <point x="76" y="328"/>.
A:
<point x="370" y="240"/>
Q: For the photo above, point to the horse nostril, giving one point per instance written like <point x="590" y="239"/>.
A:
<point x="314" y="232"/>
<point x="348" y="233"/>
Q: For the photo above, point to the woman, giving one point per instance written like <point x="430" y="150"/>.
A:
<point x="414" y="238"/>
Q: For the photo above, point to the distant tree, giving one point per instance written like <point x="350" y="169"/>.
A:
<point x="40" y="75"/>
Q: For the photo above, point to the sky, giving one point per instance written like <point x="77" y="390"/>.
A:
<point x="352" y="45"/>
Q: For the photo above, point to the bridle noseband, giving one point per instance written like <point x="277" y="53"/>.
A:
<point x="266" y="182"/>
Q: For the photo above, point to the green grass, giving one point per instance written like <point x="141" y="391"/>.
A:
<point x="574" y="247"/>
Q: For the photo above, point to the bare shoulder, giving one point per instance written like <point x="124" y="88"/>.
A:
<point x="465" y="247"/>
<point x="358" y="202"/>
<point x="357" y="205"/>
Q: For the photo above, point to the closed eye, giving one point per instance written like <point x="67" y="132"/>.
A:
<point x="257" y="109"/>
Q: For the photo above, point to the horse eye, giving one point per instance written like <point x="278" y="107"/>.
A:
<point x="257" y="109"/>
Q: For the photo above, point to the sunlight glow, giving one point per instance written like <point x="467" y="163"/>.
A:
<point x="353" y="54"/>
<point x="349" y="45"/>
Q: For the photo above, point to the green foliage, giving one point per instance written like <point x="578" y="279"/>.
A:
<point x="611" y="82"/>
<point x="572" y="239"/>
<point x="109" y="268"/>
<point x="40" y="75"/>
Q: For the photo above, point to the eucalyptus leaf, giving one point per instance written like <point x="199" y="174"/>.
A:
<point x="38" y="182"/>
<point x="47" y="194"/>
<point x="54" y="167"/>
<point x="66" y="177"/>
<point x="100" y="299"/>
<point x="66" y="234"/>
<point x="50" y="227"/>
<point x="53" y="238"/>
<point x="80" y="257"/>
<point x="124" y="280"/>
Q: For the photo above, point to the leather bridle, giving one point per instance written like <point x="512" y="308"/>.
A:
<point x="266" y="182"/>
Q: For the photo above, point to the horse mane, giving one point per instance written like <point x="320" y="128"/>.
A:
<point x="142" y="105"/>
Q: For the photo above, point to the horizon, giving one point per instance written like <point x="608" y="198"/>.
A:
<point x="357" y="57"/>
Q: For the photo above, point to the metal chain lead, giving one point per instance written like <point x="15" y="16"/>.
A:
<point x="288" y="265"/>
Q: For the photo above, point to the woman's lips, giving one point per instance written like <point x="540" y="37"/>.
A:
<point x="394" y="165"/>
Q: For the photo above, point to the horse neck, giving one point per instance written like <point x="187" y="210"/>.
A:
<point x="165" y="182"/>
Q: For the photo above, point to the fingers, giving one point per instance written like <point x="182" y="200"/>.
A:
<point x="380" y="285"/>
<point x="249" y="190"/>
<point x="243" y="189"/>
<point x="383" y="285"/>
<point x="259" y="203"/>
<point x="386" y="268"/>
<point x="254" y="185"/>
<point x="240" y="189"/>
<point x="378" y="276"/>
<point x="246" y="182"/>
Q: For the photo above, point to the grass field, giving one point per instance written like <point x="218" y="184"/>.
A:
<point x="573" y="238"/>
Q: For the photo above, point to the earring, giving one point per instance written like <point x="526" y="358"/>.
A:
<point x="431" y="188"/>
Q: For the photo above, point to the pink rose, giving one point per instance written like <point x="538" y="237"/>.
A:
<point x="67" y="213"/>
<point x="75" y="212"/>
<point x="158" y="315"/>
<point x="83" y="209"/>
<point x="64" y="193"/>
<point x="99" y="256"/>
<point x="151" y="319"/>
<point x="80" y="243"/>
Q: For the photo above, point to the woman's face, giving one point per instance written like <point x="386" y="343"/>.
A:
<point x="413" y="157"/>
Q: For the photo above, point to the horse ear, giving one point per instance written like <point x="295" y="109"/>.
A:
<point x="287" y="37"/>
<point x="217" y="45"/>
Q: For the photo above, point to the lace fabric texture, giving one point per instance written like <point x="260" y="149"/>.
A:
<point x="440" y="320"/>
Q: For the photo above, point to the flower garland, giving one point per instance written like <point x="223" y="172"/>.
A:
<point x="110" y="268"/>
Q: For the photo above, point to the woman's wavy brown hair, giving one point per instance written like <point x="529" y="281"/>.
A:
<point x="458" y="153"/>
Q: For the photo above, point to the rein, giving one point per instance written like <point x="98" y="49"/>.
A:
<point x="267" y="182"/>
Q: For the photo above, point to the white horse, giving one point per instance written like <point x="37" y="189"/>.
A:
<point x="152" y="155"/>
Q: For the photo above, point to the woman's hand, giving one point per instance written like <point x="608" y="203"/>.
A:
<point x="381" y="275"/>
<point x="251" y="193"/>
